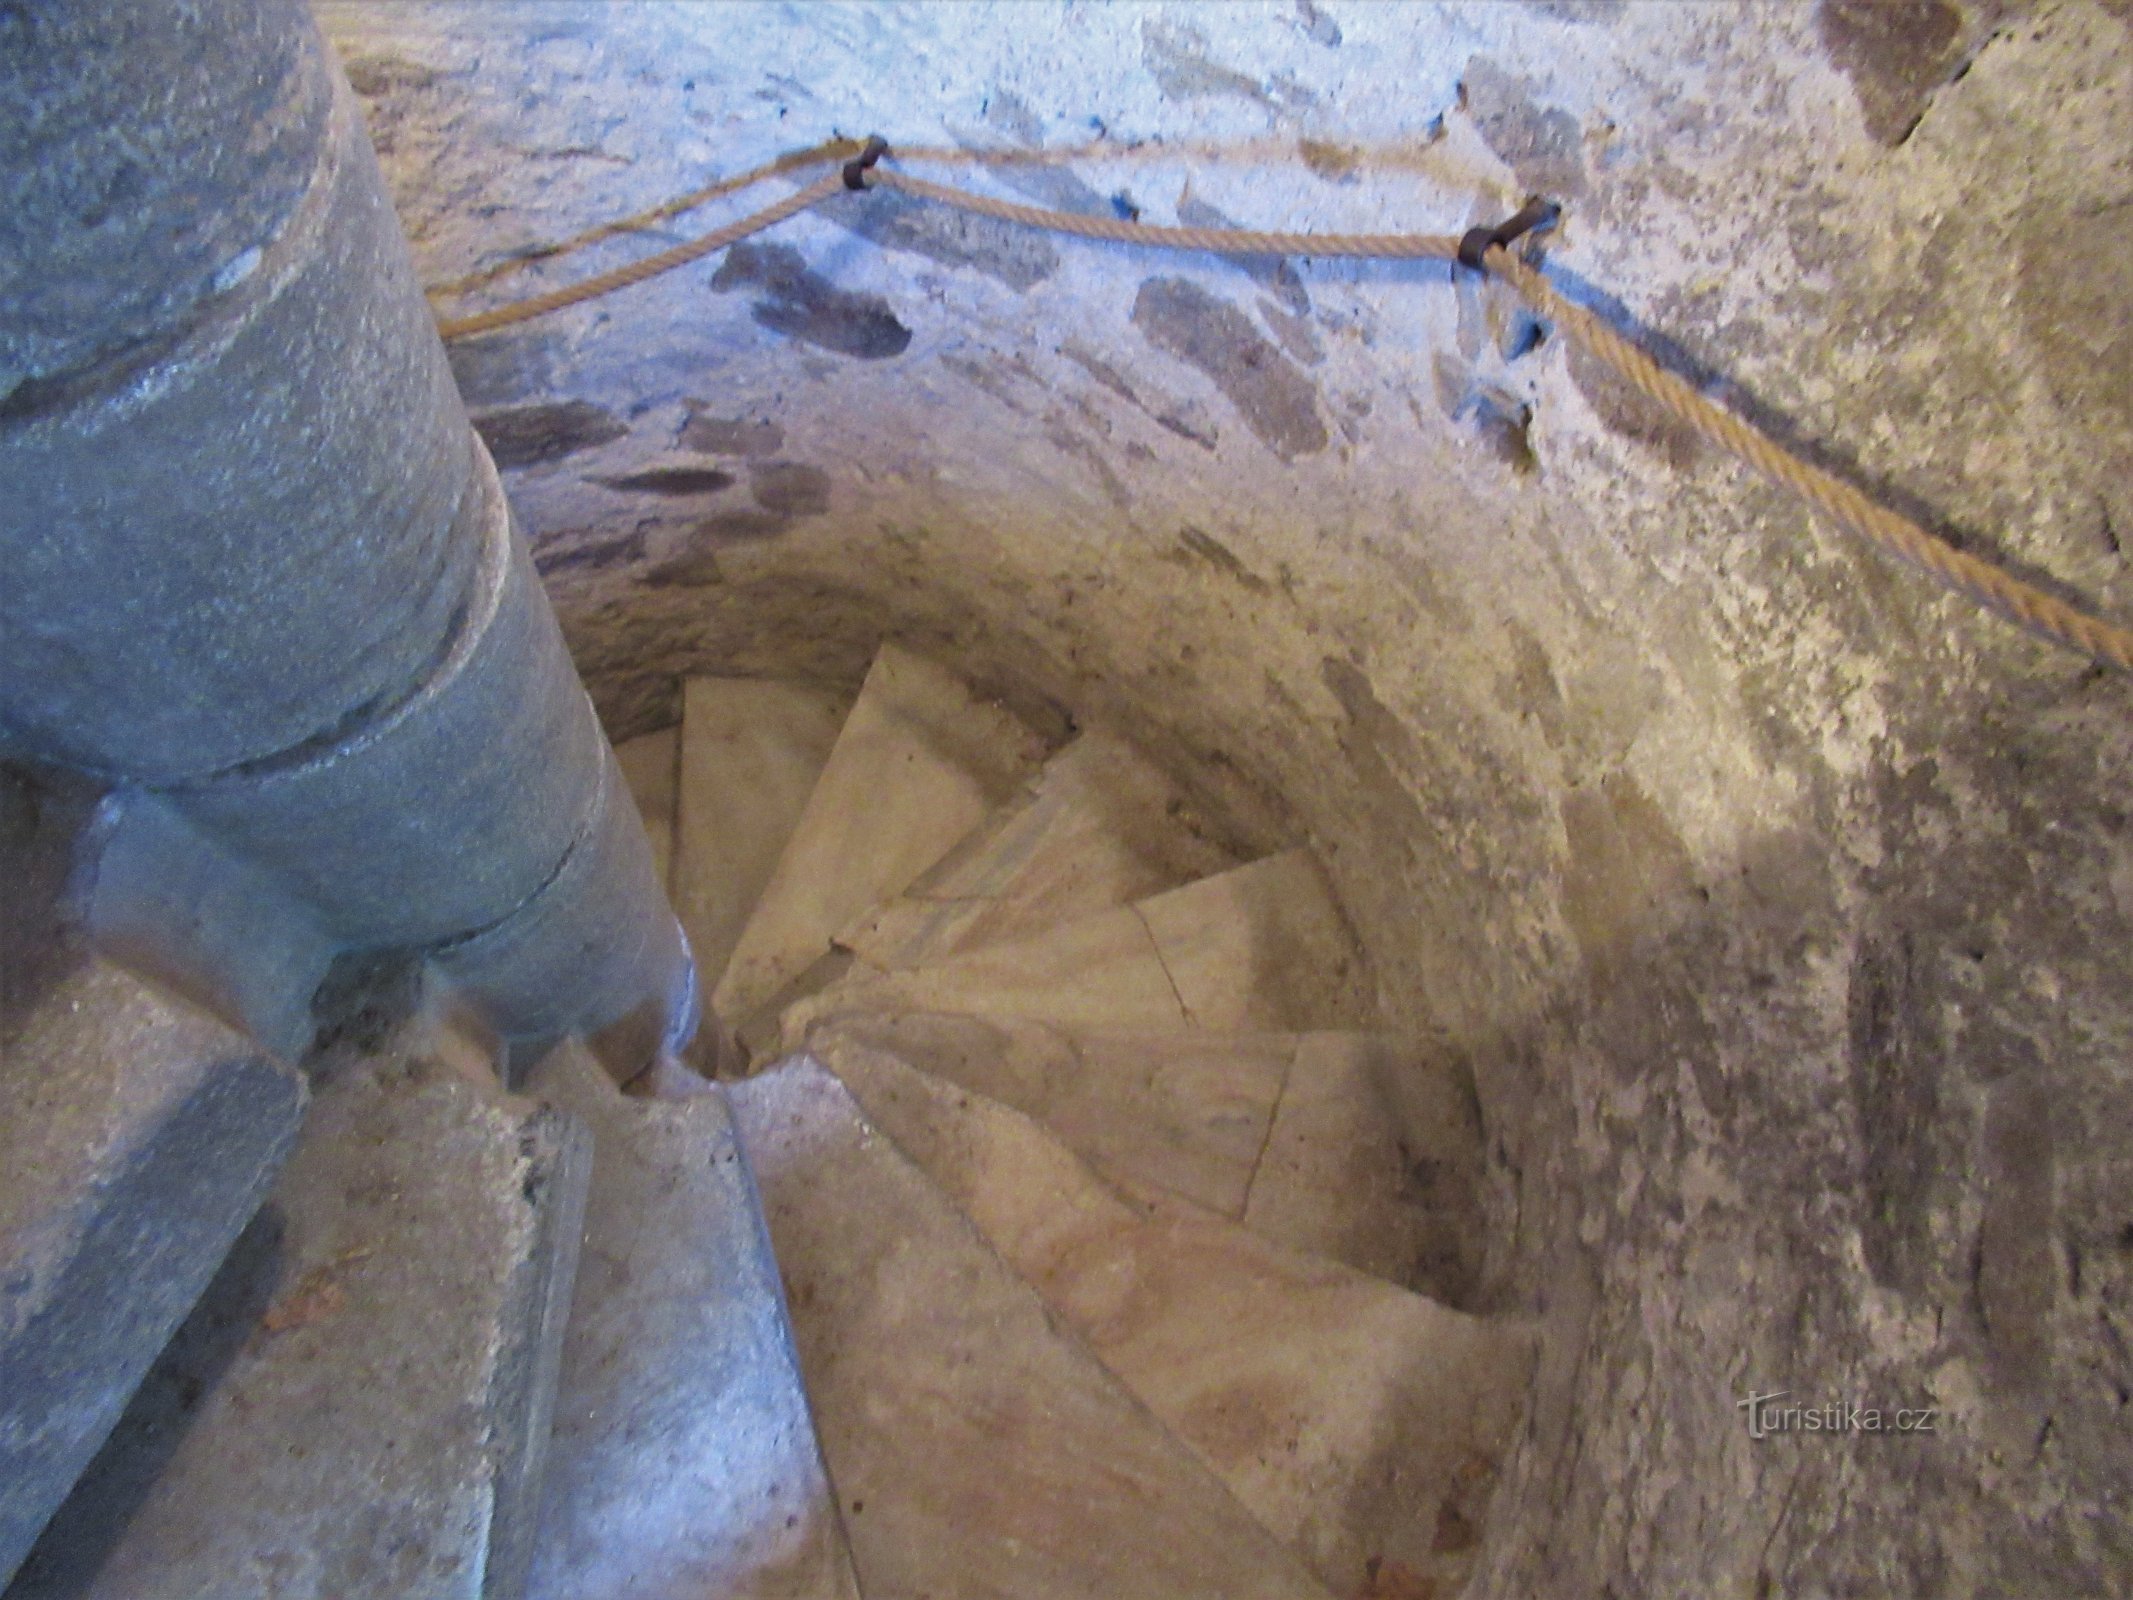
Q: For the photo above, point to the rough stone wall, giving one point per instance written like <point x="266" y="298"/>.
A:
<point x="1779" y="904"/>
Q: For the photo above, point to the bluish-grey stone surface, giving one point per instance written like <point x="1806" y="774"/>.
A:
<point x="361" y="1405"/>
<point x="684" y="1461"/>
<point x="140" y="1137"/>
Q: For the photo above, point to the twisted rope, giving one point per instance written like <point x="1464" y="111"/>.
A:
<point x="1990" y="586"/>
<point x="1981" y="581"/>
<point x="1217" y="241"/>
<point x="650" y="267"/>
<point x="665" y="211"/>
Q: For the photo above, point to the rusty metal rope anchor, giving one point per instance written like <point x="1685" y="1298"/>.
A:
<point x="869" y="157"/>
<point x="1534" y="216"/>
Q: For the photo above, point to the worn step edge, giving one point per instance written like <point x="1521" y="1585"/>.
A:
<point x="324" y="1425"/>
<point x="685" y="1459"/>
<point x="751" y="753"/>
<point x="919" y="762"/>
<point x="1098" y="826"/>
<point x="142" y="1136"/>
<point x="1178" y="1110"/>
<point x="1260" y="947"/>
<point x="909" y="1324"/>
<point x="1359" y="1422"/>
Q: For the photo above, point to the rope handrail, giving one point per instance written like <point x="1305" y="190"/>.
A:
<point x="651" y="217"/>
<point x="1989" y="585"/>
<point x="651" y="266"/>
<point x="1215" y="241"/>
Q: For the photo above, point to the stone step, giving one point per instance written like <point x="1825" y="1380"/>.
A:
<point x="141" y="1135"/>
<point x="141" y="1138"/>
<point x="684" y="1461"/>
<point x="1259" y="948"/>
<point x="1375" y="1159"/>
<point x="759" y="1037"/>
<point x="360" y="1404"/>
<point x="751" y="753"/>
<point x="651" y="763"/>
<point x="1100" y="826"/>
<point x="1187" y="1113"/>
<point x="917" y="765"/>
<point x="976" y="1449"/>
<point x="1360" y="1423"/>
<point x="1293" y="1135"/>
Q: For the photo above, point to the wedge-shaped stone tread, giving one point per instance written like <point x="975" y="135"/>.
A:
<point x="361" y="1403"/>
<point x="751" y="752"/>
<point x="1100" y="826"/>
<point x="1257" y="948"/>
<point x="684" y="1462"/>
<point x="1360" y="1423"/>
<point x="1297" y="1136"/>
<point x="141" y="1136"/>
<point x="1345" y="1174"/>
<point x="918" y="764"/>
<point x="977" y="1451"/>
<point x="1179" y="1111"/>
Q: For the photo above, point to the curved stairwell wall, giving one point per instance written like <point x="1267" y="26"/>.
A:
<point x="1778" y="905"/>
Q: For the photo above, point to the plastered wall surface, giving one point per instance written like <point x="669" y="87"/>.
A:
<point x="1779" y="904"/>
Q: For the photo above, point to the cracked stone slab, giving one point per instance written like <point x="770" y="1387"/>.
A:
<point x="1101" y="971"/>
<point x="1374" y="1159"/>
<point x="1179" y="1111"/>
<point x="977" y="1449"/>
<point x="1297" y="1136"/>
<point x="1100" y="826"/>
<point x="917" y="765"/>
<point x="1259" y="948"/>
<point x="684" y="1462"/>
<point x="751" y="752"/>
<point x="1360" y="1423"/>
<point x="360" y="1404"/>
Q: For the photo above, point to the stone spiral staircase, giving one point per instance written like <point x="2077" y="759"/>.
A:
<point x="1050" y="1224"/>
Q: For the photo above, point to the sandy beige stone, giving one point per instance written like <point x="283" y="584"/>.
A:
<point x="1183" y="1113"/>
<point x="1356" y="1420"/>
<point x="1262" y="946"/>
<point x="1293" y="1135"/>
<point x="1102" y="971"/>
<point x="750" y="754"/>
<point x="1256" y="948"/>
<point x="917" y="765"/>
<point x="977" y="1449"/>
<point x="1099" y="827"/>
<point x="1340" y="1178"/>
